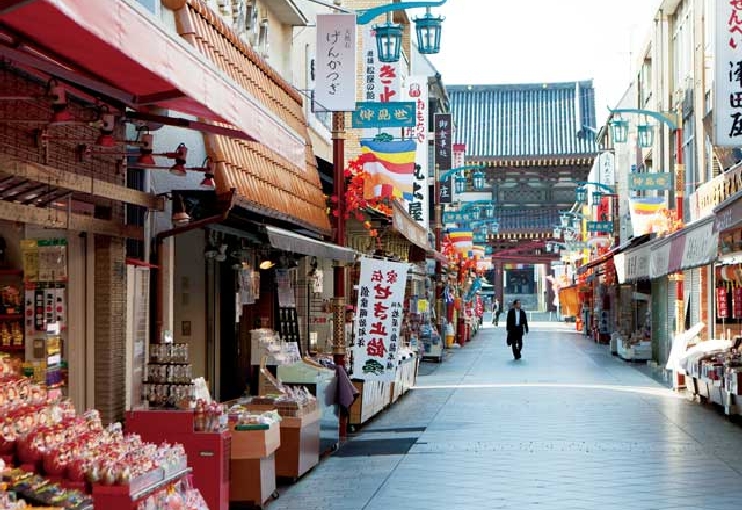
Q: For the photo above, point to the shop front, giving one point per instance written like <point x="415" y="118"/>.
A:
<point x="633" y="339"/>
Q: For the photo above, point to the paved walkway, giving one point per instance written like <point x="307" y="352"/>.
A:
<point x="567" y="427"/>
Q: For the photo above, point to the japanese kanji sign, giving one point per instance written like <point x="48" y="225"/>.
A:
<point x="728" y="82"/>
<point x="644" y="181"/>
<point x="443" y="130"/>
<point x="605" y="227"/>
<point x="416" y="90"/>
<point x="369" y="115"/>
<point x="336" y="62"/>
<point x="378" y="320"/>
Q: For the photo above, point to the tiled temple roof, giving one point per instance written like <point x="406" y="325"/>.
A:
<point x="524" y="120"/>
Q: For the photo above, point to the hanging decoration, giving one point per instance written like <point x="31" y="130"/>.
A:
<point x="357" y="204"/>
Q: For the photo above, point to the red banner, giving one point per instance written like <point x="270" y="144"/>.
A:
<point x="737" y="303"/>
<point x="721" y="303"/>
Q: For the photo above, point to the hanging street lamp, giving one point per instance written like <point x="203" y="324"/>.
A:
<point x="557" y="232"/>
<point x="564" y="219"/>
<point x="620" y="128"/>
<point x="388" y="41"/>
<point x="428" y="30"/>
<point x="478" y="180"/>
<point x="489" y="211"/>
<point x="460" y="184"/>
<point x="646" y="135"/>
<point x="597" y="196"/>
<point x="581" y="195"/>
<point x="389" y="35"/>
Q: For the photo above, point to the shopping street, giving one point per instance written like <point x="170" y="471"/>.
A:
<point x="567" y="427"/>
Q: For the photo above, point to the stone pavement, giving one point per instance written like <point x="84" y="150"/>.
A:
<point x="567" y="427"/>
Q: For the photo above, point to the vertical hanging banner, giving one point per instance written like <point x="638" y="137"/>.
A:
<point x="379" y="317"/>
<point x="728" y="74"/>
<point x="443" y="147"/>
<point x="416" y="90"/>
<point x="336" y="62"/>
<point x="722" y="312"/>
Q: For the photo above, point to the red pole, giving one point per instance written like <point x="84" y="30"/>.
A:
<point x="679" y="178"/>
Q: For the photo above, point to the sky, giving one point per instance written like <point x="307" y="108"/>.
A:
<point x="534" y="41"/>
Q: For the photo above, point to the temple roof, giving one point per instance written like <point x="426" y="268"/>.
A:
<point x="539" y="119"/>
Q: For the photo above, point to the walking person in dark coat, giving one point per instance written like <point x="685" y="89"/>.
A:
<point x="496" y="312"/>
<point x="516" y="324"/>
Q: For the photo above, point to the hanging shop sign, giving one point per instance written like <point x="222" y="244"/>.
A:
<point x="376" y="341"/>
<point x="701" y="244"/>
<point x="604" y="227"/>
<point x="442" y="129"/>
<point x="335" y="88"/>
<point x="606" y="162"/>
<point x="728" y="79"/>
<point x="384" y="115"/>
<point x="416" y="90"/>
<point x="737" y="303"/>
<point x="643" y="181"/>
<point x="721" y="303"/>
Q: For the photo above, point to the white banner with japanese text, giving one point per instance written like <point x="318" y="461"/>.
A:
<point x="335" y="88"/>
<point x="416" y="90"/>
<point x="379" y="316"/>
<point x="728" y="76"/>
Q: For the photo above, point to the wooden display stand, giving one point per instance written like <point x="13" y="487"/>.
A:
<point x="253" y="464"/>
<point x="299" y="451"/>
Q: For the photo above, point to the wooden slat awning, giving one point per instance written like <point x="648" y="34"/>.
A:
<point x="263" y="179"/>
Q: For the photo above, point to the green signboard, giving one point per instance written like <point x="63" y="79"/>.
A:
<point x="655" y="181"/>
<point x="385" y="115"/>
<point x="604" y="227"/>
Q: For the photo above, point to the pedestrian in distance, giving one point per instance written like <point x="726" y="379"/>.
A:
<point x="516" y="325"/>
<point x="496" y="310"/>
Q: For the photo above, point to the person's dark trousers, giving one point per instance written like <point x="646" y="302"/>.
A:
<point x="517" y="345"/>
<point x="517" y="341"/>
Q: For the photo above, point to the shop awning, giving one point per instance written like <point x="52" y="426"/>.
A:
<point x="265" y="181"/>
<point x="437" y="256"/>
<point x="636" y="241"/>
<point x="296" y="243"/>
<point x="728" y="214"/>
<point x="411" y="230"/>
<point x="120" y="50"/>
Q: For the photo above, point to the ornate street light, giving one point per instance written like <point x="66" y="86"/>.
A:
<point x="388" y="41"/>
<point x="494" y="228"/>
<point x="478" y="180"/>
<point x="576" y="223"/>
<point x="489" y="211"/>
<point x="564" y="218"/>
<point x="460" y="184"/>
<point x="428" y="33"/>
<point x="620" y="128"/>
<point x="581" y="195"/>
<point x="597" y="196"/>
<point x="646" y="135"/>
<point x="557" y="232"/>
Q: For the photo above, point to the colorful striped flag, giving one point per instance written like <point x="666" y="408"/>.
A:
<point x="390" y="167"/>
<point x="461" y="238"/>
<point x="647" y="213"/>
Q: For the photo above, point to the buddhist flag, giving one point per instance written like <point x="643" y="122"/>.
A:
<point x="647" y="213"/>
<point x="390" y="167"/>
<point x="461" y="238"/>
